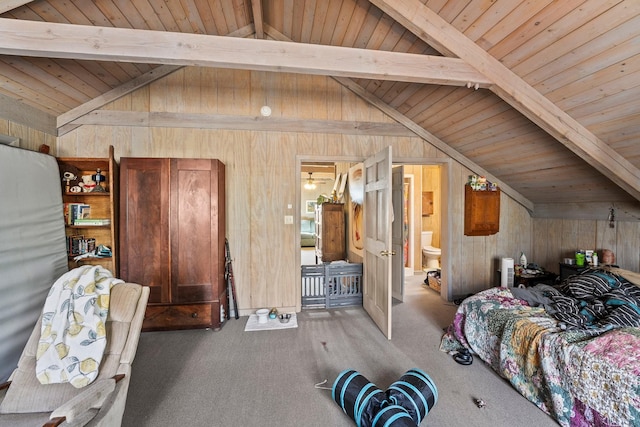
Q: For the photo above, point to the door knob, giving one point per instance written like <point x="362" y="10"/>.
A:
<point x="387" y="253"/>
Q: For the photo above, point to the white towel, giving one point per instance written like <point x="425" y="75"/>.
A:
<point x="73" y="333"/>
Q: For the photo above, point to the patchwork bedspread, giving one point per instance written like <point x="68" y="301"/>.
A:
<point x="581" y="377"/>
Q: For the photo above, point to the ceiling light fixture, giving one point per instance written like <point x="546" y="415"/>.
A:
<point x="265" y="111"/>
<point x="309" y="185"/>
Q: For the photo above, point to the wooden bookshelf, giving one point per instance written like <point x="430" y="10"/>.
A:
<point x="103" y="205"/>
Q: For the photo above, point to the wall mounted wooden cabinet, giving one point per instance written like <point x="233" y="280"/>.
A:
<point x="427" y="203"/>
<point x="172" y="233"/>
<point x="481" y="212"/>
<point x="91" y="217"/>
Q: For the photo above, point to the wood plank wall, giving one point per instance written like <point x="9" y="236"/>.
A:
<point x="263" y="177"/>
<point x="556" y="239"/>
<point x="30" y="139"/>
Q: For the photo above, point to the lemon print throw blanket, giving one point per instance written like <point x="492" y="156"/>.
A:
<point x="73" y="334"/>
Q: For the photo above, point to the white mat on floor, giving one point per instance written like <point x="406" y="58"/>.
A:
<point x="253" y="325"/>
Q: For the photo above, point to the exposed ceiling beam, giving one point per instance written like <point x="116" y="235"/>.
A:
<point x="65" y="122"/>
<point x="7" y="5"/>
<point x="27" y="115"/>
<point x="256" y="10"/>
<point x="43" y="39"/>
<point x="431" y="28"/>
<point x="238" y="122"/>
<point x="112" y="95"/>
<point x="435" y="141"/>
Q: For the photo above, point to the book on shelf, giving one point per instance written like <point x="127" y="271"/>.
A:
<point x="74" y="211"/>
<point x="92" y="221"/>
<point x="78" y="245"/>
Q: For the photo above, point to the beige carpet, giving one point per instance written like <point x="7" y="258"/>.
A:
<point x="233" y="378"/>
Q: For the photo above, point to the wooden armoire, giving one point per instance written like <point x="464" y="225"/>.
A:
<point x="330" y="232"/>
<point x="172" y="232"/>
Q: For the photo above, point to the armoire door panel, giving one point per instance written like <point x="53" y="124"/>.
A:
<point x="144" y="226"/>
<point x="190" y="216"/>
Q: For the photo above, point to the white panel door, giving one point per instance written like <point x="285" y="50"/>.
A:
<point x="377" y="239"/>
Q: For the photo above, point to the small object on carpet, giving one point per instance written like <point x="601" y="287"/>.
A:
<point x="463" y="357"/>
<point x="480" y="403"/>
<point x="271" y="324"/>
<point x="321" y="385"/>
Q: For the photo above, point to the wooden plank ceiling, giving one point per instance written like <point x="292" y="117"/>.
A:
<point x="556" y="117"/>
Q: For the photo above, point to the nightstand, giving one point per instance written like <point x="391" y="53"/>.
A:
<point x="567" y="270"/>
<point x="527" y="279"/>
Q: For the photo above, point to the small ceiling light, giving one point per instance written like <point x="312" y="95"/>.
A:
<point x="265" y="111"/>
<point x="309" y="185"/>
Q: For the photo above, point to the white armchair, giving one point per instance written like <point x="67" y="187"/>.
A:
<point x="26" y="402"/>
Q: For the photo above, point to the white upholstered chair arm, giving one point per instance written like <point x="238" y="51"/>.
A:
<point x="93" y="397"/>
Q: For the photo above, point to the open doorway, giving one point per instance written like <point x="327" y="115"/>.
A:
<point x="422" y="223"/>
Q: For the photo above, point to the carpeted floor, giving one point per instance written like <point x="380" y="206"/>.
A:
<point x="267" y="378"/>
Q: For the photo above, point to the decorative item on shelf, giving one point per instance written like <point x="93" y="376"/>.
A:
<point x="480" y="183"/>
<point x="67" y="177"/>
<point x="99" y="179"/>
<point x="87" y="184"/>
<point x="322" y="199"/>
<point x="101" y="251"/>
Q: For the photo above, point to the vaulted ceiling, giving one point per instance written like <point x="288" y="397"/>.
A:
<point x="543" y="96"/>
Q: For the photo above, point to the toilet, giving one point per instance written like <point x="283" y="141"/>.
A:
<point x="430" y="255"/>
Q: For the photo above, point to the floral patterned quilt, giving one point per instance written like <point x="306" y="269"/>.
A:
<point x="576" y="377"/>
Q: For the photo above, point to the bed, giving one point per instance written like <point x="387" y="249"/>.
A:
<point x="572" y="349"/>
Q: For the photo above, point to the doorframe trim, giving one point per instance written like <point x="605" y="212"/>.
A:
<point x="446" y="291"/>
